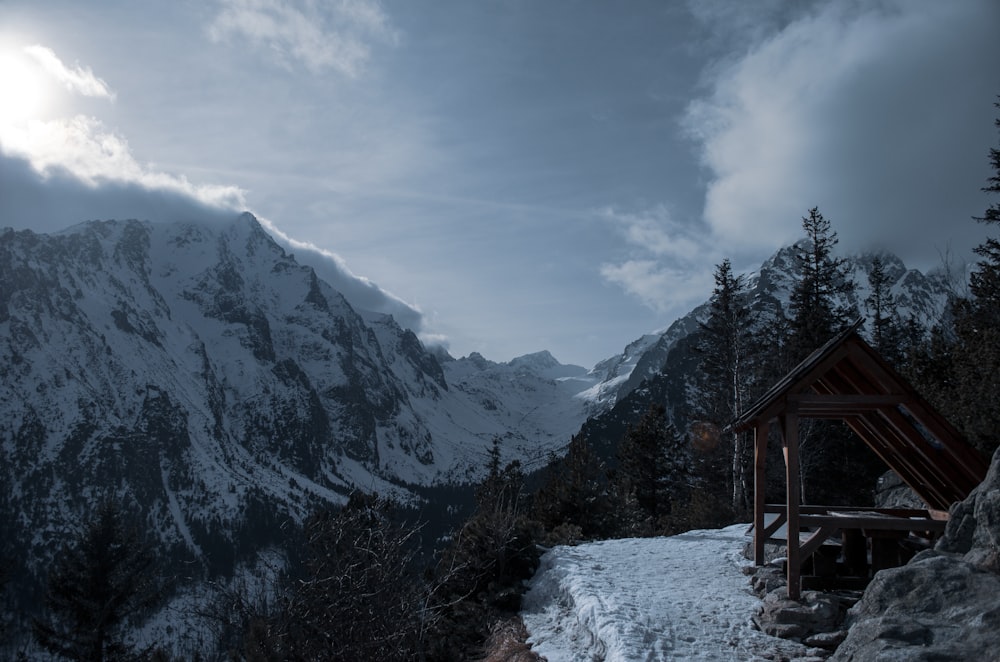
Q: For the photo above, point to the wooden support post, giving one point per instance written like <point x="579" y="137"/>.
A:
<point x="759" y="478"/>
<point x="790" y="444"/>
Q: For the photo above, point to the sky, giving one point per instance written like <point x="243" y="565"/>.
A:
<point x="508" y="176"/>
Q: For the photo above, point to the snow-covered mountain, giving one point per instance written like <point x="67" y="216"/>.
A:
<point x="217" y="385"/>
<point x="659" y="367"/>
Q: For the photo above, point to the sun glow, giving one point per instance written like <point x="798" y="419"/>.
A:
<point x="22" y="89"/>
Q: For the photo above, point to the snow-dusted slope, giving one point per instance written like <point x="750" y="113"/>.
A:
<point x="219" y="386"/>
<point x="921" y="296"/>
<point x="654" y="599"/>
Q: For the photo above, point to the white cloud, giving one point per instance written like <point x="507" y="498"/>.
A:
<point x="62" y="172"/>
<point x="668" y="263"/>
<point x="80" y="80"/>
<point x="319" y="35"/>
<point x="659" y="285"/>
<point x="879" y="113"/>
<point x="656" y="231"/>
<point x="83" y="147"/>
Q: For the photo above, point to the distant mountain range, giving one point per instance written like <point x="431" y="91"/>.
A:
<point x="218" y="386"/>
<point x="663" y="365"/>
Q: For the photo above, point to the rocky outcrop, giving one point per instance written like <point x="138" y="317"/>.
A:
<point x="974" y="527"/>
<point x="892" y="492"/>
<point x="816" y="620"/>
<point x="943" y="604"/>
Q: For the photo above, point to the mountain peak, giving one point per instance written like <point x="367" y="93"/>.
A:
<point x="542" y="359"/>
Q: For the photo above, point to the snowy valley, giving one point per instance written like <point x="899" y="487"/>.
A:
<point x="203" y="376"/>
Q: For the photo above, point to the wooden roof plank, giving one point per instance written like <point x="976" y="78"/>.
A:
<point x="910" y="465"/>
<point x="910" y="468"/>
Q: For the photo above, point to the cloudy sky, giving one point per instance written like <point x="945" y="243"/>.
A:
<point x="510" y="175"/>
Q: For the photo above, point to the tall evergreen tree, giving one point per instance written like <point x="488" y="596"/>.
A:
<point x="575" y="494"/>
<point x="984" y="283"/>
<point x="965" y="371"/>
<point x="653" y="472"/>
<point x="886" y="330"/>
<point x="103" y="583"/>
<point x="817" y="315"/>
<point x="727" y="350"/>
<point x="834" y="464"/>
<point x="480" y="576"/>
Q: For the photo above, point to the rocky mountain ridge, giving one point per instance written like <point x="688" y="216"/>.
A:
<point x="661" y="367"/>
<point x="204" y="376"/>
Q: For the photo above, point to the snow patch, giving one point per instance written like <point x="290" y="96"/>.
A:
<point x="684" y="597"/>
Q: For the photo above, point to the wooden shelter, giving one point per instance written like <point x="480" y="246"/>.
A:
<point x="847" y="379"/>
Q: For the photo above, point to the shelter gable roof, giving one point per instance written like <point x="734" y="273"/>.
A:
<point x="847" y="379"/>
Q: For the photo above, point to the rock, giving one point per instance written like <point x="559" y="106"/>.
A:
<point x="772" y="551"/>
<point x="794" y="619"/>
<point x="767" y="579"/>
<point x="783" y="630"/>
<point x="984" y="551"/>
<point x="892" y="492"/>
<point x="943" y="604"/>
<point x="826" y="640"/>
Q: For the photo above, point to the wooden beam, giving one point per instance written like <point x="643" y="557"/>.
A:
<point x="810" y="546"/>
<point x="775" y="524"/>
<point x="790" y="445"/>
<point x="873" y="522"/>
<point x="941" y="471"/>
<point x="759" y="484"/>
<point x="966" y="457"/>
<point x="885" y="442"/>
<point x="807" y="404"/>
<point x="772" y="404"/>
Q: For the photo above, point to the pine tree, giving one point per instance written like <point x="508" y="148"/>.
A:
<point x="653" y="472"/>
<point x="881" y="305"/>
<point x="966" y="369"/>
<point x="816" y="313"/>
<point x="104" y="582"/>
<point x="727" y="348"/>
<point x="480" y="576"/>
<point x="574" y="498"/>
<point x="984" y="283"/>
<point x="834" y="464"/>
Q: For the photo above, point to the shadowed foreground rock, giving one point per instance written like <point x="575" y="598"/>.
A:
<point x="945" y="603"/>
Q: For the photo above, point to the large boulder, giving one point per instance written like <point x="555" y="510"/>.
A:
<point x="943" y="604"/>
<point x="892" y="492"/>
<point x="937" y="607"/>
<point x="974" y="525"/>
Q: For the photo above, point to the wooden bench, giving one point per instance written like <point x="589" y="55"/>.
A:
<point x="879" y="529"/>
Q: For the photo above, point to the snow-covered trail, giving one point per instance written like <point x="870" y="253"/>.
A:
<point x="648" y="599"/>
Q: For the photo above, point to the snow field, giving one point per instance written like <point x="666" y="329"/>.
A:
<point x="683" y="597"/>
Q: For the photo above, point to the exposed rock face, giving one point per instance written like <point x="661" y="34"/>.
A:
<point x="219" y="387"/>
<point x="892" y="492"/>
<point x="974" y="528"/>
<point x="815" y="613"/>
<point x="943" y="605"/>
